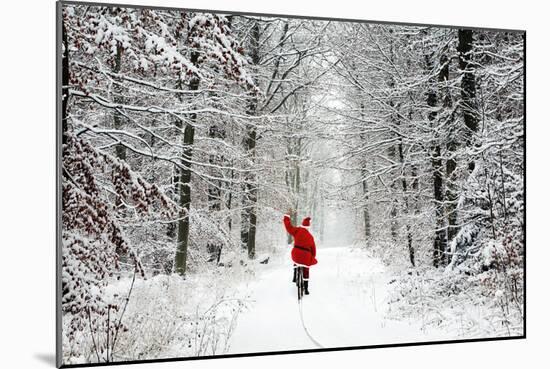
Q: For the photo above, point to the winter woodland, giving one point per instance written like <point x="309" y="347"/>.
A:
<point x="186" y="136"/>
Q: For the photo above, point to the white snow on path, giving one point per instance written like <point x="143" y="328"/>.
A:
<point x="346" y="307"/>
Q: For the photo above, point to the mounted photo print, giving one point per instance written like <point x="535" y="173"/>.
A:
<point x="236" y="184"/>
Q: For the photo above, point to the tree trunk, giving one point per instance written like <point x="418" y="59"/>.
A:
<point x="451" y="191"/>
<point x="253" y="198"/>
<point x="296" y="151"/>
<point x="392" y="155"/>
<point x="249" y="219"/>
<point x="365" y="187"/>
<point x="229" y="201"/>
<point x="366" y="214"/>
<point x="437" y="170"/>
<point x="468" y="85"/>
<point x="394" y="203"/>
<point x="440" y="239"/>
<point x="248" y="230"/>
<point x="465" y="38"/>
<point x="172" y="227"/>
<point x="405" y="198"/>
<point x="180" y="264"/>
<point x="451" y="197"/>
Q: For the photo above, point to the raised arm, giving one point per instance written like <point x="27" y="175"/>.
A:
<point x="288" y="225"/>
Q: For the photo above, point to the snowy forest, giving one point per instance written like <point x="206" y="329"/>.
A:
<point x="186" y="136"/>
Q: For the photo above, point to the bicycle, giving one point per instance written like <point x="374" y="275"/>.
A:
<point x="300" y="281"/>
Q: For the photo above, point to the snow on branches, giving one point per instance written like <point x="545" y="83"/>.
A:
<point x="182" y="44"/>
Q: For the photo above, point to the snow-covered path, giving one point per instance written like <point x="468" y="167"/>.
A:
<point x="346" y="307"/>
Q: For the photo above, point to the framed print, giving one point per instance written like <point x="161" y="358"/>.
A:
<point x="234" y="184"/>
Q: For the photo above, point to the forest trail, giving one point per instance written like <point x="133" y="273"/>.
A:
<point x="346" y="307"/>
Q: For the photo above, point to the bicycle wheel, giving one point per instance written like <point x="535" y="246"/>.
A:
<point x="300" y="282"/>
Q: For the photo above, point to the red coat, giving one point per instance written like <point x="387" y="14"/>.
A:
<point x="304" y="240"/>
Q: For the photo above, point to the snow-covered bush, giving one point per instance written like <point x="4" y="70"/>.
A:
<point x="92" y="238"/>
<point x="168" y="316"/>
<point x="464" y="301"/>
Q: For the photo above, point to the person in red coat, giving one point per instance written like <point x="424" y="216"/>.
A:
<point x="304" y="250"/>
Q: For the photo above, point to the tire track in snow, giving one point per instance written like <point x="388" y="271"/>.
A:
<point x="315" y="342"/>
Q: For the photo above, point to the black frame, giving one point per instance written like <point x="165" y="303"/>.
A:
<point x="61" y="3"/>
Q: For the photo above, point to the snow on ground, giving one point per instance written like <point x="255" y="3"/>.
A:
<point x="347" y="307"/>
